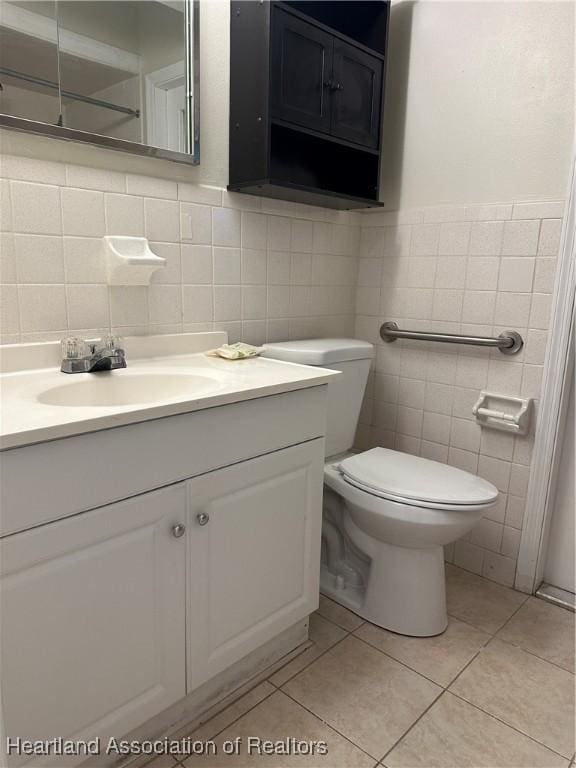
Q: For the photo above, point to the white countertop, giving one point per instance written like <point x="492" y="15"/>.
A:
<point x="25" y="419"/>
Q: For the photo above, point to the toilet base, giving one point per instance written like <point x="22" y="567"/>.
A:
<point x="405" y="590"/>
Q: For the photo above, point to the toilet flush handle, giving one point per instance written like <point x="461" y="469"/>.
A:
<point x="202" y="518"/>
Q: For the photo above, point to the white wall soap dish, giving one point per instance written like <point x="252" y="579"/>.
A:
<point x="510" y="414"/>
<point x="129" y="260"/>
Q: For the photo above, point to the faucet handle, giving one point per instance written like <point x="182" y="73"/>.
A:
<point x="74" y="348"/>
<point x="108" y="342"/>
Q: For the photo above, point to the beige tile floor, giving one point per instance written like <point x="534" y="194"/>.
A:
<point x="496" y="690"/>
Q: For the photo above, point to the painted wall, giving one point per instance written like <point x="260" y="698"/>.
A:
<point x="480" y="102"/>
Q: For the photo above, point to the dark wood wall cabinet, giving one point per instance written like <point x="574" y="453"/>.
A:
<point x="306" y="99"/>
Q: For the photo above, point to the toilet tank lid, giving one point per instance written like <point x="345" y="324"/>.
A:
<point x="319" y="351"/>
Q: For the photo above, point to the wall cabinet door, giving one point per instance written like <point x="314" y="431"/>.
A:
<point x="301" y="71"/>
<point x="254" y="554"/>
<point x="356" y="100"/>
<point x="93" y="626"/>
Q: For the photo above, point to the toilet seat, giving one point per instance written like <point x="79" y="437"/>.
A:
<point x="418" y="482"/>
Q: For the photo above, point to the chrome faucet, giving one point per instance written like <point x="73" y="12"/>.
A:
<point x="80" y="356"/>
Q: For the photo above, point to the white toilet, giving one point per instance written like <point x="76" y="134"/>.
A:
<point x="387" y="515"/>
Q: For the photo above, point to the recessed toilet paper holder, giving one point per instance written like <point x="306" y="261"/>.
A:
<point x="510" y="414"/>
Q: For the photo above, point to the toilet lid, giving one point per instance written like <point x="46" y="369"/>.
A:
<point x="402" y="476"/>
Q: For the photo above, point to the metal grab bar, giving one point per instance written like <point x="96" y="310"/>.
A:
<point x="509" y="342"/>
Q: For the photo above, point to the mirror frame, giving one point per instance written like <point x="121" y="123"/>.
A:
<point x="192" y="42"/>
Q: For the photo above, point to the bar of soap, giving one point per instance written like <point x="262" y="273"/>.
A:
<point x="237" y="351"/>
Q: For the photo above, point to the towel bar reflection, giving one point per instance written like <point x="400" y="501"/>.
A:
<point x="509" y="342"/>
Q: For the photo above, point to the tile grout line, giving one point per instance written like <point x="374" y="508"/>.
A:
<point x="508" y="725"/>
<point x="328" y="725"/>
<point x="407" y="731"/>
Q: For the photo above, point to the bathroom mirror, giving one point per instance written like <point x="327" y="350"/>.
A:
<point x="120" y="74"/>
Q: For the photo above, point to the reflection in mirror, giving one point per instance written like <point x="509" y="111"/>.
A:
<point x="121" y="70"/>
<point x="29" y="61"/>
<point x="127" y="61"/>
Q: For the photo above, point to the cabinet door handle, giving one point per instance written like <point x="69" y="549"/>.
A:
<point x="202" y="518"/>
<point x="178" y="530"/>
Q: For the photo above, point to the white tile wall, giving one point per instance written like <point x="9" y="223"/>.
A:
<point x="259" y="269"/>
<point x="462" y="269"/>
<point x="269" y="270"/>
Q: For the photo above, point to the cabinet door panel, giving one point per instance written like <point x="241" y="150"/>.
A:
<point x="93" y="628"/>
<point x="301" y="69"/>
<point x="357" y="99"/>
<point x="254" y="565"/>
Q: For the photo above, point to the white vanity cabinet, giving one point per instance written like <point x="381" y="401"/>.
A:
<point x="93" y="620"/>
<point x="254" y="554"/>
<point x="111" y="615"/>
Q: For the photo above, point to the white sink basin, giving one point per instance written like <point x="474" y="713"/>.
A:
<point x="116" y="388"/>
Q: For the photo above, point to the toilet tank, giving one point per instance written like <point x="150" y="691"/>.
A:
<point x="345" y="393"/>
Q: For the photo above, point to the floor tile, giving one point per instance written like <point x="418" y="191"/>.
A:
<point x="524" y="691"/>
<point x="362" y="693"/>
<point x="238" y="708"/>
<point x="163" y="761"/>
<point x="323" y="635"/>
<point x="439" y="658"/>
<point x="544" y="629"/>
<point x="480" y="602"/>
<point x="337" y="614"/>
<point x="278" y="718"/>
<point x="454" y="734"/>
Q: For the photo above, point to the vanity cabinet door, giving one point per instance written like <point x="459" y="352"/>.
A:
<point x="254" y="554"/>
<point x="93" y="619"/>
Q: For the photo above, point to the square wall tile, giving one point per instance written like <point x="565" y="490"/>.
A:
<point x="129" y="305"/>
<point x="226" y="266"/>
<point x="512" y="309"/>
<point x="162" y="220"/>
<point x="42" y="308"/>
<point x="302" y="236"/>
<point x="95" y="178"/>
<point x="482" y="273"/>
<point x="226" y="227"/>
<point x="254" y="230"/>
<point x="9" y="317"/>
<point x="486" y="238"/>
<point x="540" y="310"/>
<point x="196" y="223"/>
<point x="124" y="215"/>
<point x="227" y="303"/>
<point x="7" y="258"/>
<point x="278" y="268"/>
<point x="165" y="304"/>
<point x="253" y="267"/>
<point x="549" y="241"/>
<point x="39" y="259"/>
<point x="279" y="233"/>
<point x="454" y="239"/>
<point x="35" y="208"/>
<point x="197" y="303"/>
<point x="197" y="264"/>
<point x="516" y="274"/>
<point x="84" y="260"/>
<point x="171" y="272"/>
<point x="83" y="213"/>
<point x="521" y="238"/>
<point x="87" y="307"/>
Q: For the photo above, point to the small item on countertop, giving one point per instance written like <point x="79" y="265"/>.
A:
<point x="237" y="351"/>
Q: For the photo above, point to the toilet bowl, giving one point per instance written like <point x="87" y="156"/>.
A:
<point x="401" y="510"/>
<point x="386" y="515"/>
